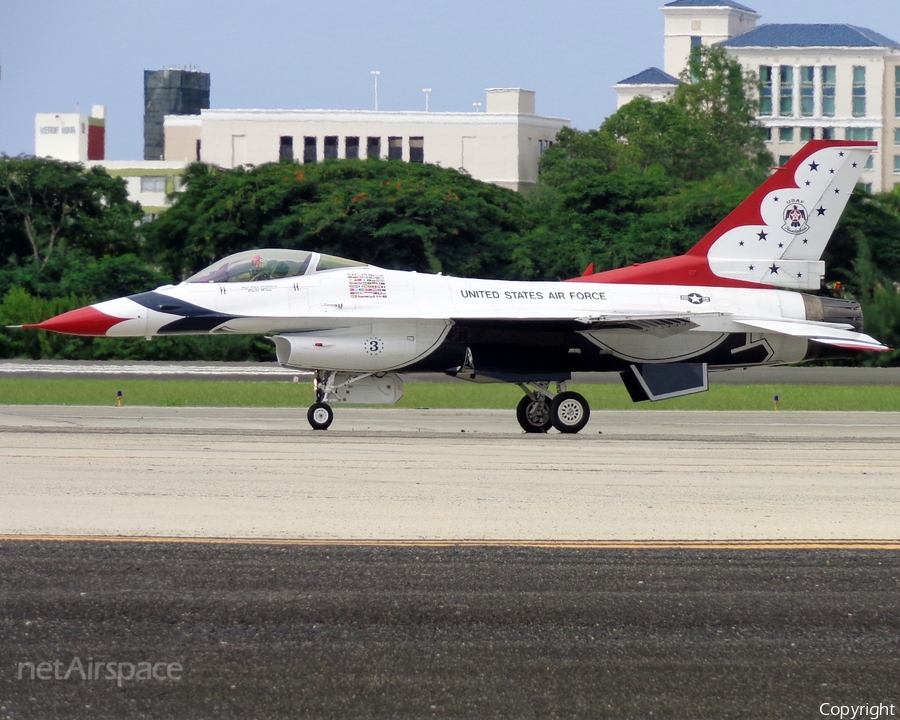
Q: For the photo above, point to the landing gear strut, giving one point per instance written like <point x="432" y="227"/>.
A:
<point x="542" y="409"/>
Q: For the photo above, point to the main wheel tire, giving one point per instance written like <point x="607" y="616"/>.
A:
<point x="320" y="415"/>
<point x="534" y="416"/>
<point x="569" y="412"/>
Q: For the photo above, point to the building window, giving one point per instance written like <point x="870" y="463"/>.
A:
<point x="859" y="91"/>
<point x="153" y="183"/>
<point x="897" y="136"/>
<point x="373" y="148"/>
<point x="395" y="148"/>
<point x="544" y="146"/>
<point x="807" y="134"/>
<point x="829" y="134"/>
<point x="896" y="164"/>
<point x="417" y="149"/>
<point x="696" y="44"/>
<point x="859" y="134"/>
<point x="197" y="150"/>
<point x="829" y="90"/>
<point x="286" y="148"/>
<point x="870" y="163"/>
<point x="782" y="159"/>
<point x="807" y="90"/>
<point x="897" y="91"/>
<point x="867" y="187"/>
<point x="309" y="150"/>
<point x="786" y="135"/>
<point x="331" y="147"/>
<point x="765" y="89"/>
<point x="786" y="86"/>
<point x="351" y="148"/>
<point x="769" y="134"/>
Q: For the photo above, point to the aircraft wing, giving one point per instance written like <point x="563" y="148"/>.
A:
<point x="657" y="324"/>
<point x="825" y="333"/>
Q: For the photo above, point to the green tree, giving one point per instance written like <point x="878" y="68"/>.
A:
<point x="719" y="99"/>
<point x="49" y="206"/>
<point x="652" y="180"/>
<point x="402" y="215"/>
<point x="864" y="252"/>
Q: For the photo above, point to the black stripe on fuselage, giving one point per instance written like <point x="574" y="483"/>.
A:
<point x="193" y="318"/>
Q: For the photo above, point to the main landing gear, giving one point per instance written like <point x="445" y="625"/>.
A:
<point x="542" y="409"/>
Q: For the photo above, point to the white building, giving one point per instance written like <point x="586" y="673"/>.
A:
<point x="816" y="81"/>
<point x="148" y="182"/>
<point x="502" y="145"/>
<point x="652" y="83"/>
<point x="72" y="137"/>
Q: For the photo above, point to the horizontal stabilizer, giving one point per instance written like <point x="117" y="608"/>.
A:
<point x="665" y="380"/>
<point x="824" y="333"/>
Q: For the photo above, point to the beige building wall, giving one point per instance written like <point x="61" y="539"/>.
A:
<point x="658" y="93"/>
<point x="710" y="25"/>
<point x="502" y="145"/>
<point x="790" y="131"/>
<point x="182" y="138"/>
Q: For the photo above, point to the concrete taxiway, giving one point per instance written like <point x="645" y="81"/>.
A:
<point x="447" y="475"/>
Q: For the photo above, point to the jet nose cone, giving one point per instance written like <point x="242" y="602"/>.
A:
<point x="84" y="321"/>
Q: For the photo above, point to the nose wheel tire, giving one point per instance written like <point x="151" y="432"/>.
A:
<point x="534" y="415"/>
<point x="320" y="416"/>
<point x="569" y="412"/>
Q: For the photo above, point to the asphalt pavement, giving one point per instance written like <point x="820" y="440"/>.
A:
<point x="269" y="631"/>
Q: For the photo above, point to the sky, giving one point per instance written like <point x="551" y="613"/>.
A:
<point x="59" y="55"/>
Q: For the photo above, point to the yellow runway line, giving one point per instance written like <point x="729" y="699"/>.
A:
<point x="548" y="544"/>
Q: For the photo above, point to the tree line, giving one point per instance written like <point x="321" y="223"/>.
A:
<point x="648" y="183"/>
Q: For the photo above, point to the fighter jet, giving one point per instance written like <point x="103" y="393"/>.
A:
<point x="732" y="301"/>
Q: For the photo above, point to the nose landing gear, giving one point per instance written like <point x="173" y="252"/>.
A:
<point x="320" y="415"/>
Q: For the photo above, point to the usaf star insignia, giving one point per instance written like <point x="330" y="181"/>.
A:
<point x="695" y="298"/>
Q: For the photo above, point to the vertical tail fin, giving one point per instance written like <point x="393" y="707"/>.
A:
<point x="778" y="234"/>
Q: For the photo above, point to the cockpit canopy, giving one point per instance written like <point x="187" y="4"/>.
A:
<point x="269" y="264"/>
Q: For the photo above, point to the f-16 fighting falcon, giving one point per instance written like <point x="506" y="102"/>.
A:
<point x="732" y="301"/>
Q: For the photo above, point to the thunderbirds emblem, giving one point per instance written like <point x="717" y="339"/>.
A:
<point x="795" y="219"/>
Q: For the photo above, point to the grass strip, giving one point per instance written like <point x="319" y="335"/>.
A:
<point x="213" y="393"/>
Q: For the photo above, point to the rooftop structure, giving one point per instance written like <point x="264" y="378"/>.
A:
<point x="170" y="92"/>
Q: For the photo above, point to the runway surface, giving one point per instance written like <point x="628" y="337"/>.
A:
<point x="447" y="475"/>
<point x="262" y="371"/>
<point x="427" y="563"/>
<point x="459" y="632"/>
